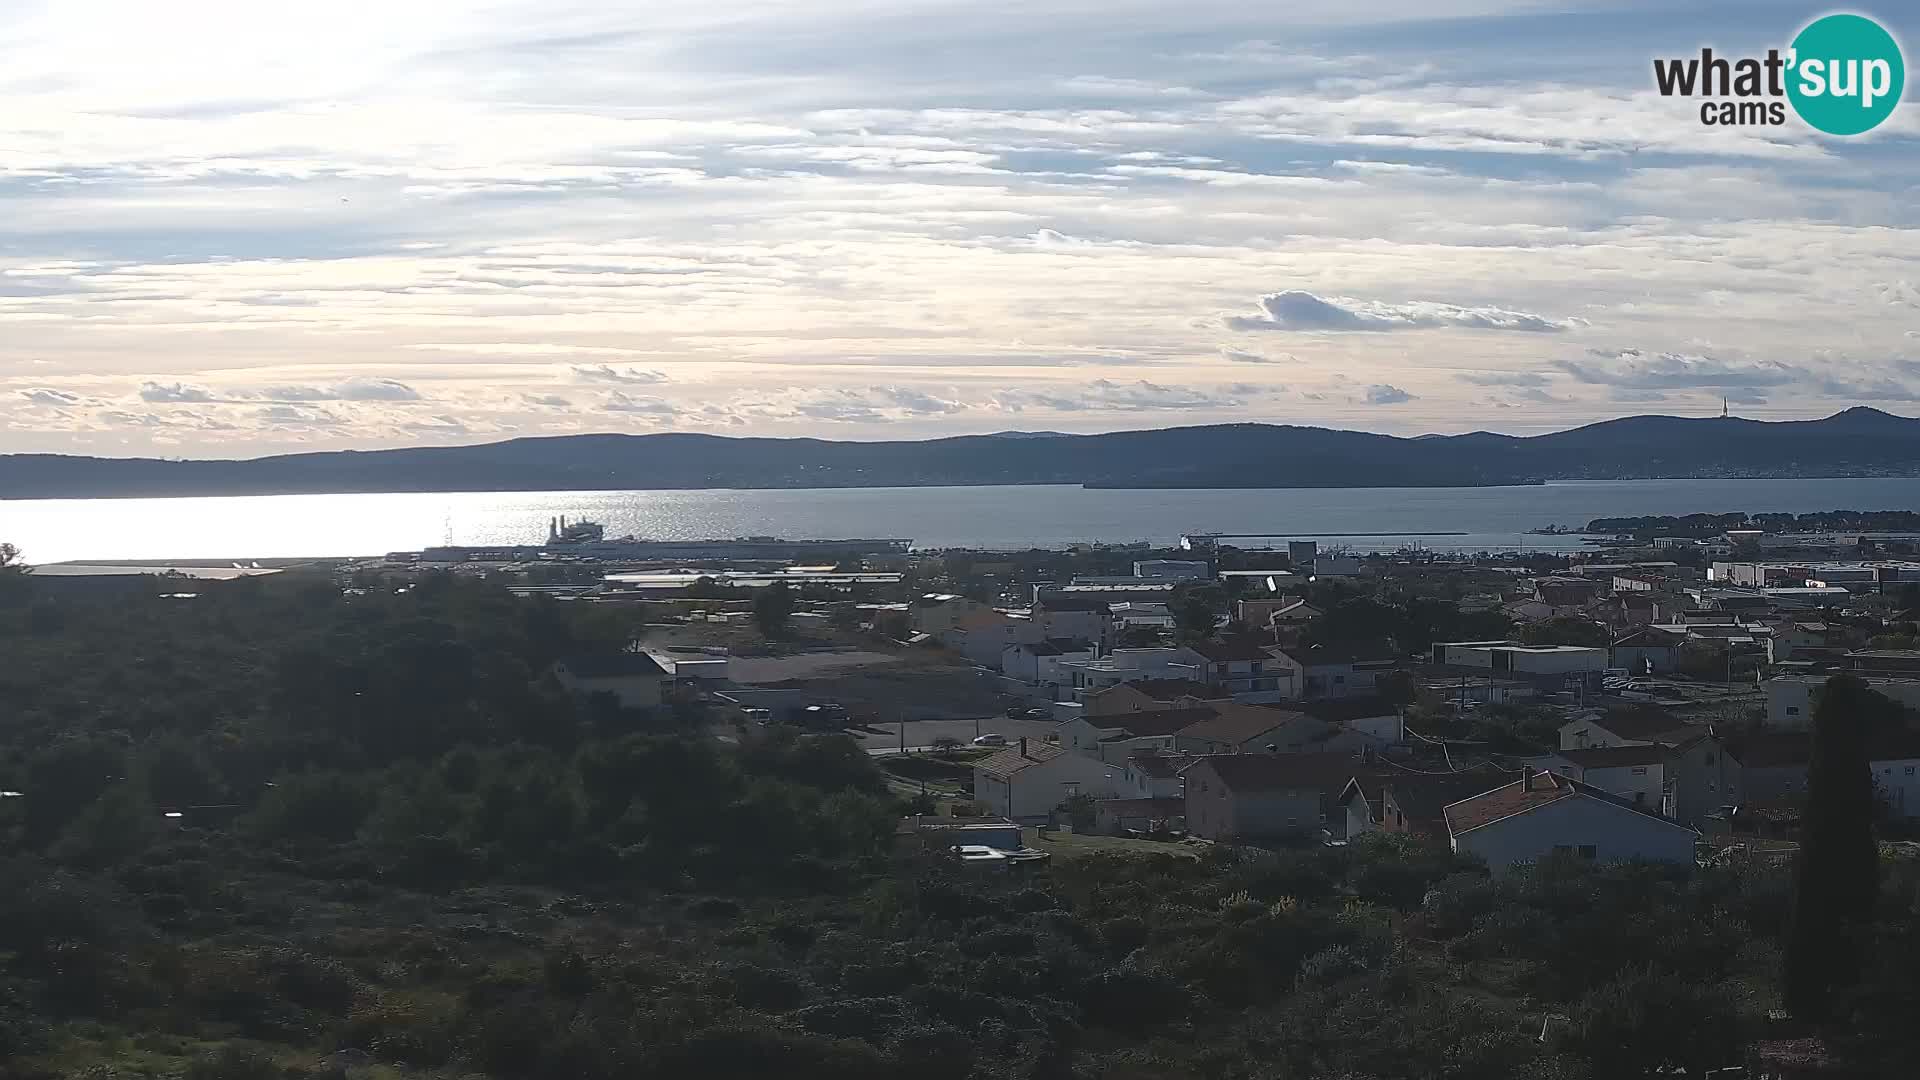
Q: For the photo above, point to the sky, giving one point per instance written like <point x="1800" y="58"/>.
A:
<point x="230" y="228"/>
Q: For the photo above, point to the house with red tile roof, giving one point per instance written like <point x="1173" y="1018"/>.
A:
<point x="1542" y="814"/>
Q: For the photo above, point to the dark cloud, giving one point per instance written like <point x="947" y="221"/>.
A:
<point x="1299" y="310"/>
<point x="548" y="401"/>
<point x="628" y="376"/>
<point x="1242" y="356"/>
<point x="1383" y="394"/>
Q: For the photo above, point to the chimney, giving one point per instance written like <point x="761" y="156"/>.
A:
<point x="1526" y="777"/>
<point x="1023" y="746"/>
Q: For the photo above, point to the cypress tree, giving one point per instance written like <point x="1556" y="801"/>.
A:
<point x="1837" y="879"/>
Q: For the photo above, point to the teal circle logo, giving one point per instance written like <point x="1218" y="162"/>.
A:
<point x="1846" y="74"/>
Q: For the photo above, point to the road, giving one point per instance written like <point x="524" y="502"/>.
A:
<point x="922" y="734"/>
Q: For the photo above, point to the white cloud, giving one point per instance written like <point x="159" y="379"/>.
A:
<point x="621" y="402"/>
<point x="41" y="395"/>
<point x="1636" y="370"/>
<point x="174" y="393"/>
<point x="604" y="373"/>
<point x="1296" y="309"/>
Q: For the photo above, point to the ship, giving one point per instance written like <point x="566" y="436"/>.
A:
<point x="559" y="533"/>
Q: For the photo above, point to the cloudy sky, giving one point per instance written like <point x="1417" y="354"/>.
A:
<point x="234" y="227"/>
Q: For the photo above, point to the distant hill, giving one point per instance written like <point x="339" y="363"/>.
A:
<point x="1857" y="442"/>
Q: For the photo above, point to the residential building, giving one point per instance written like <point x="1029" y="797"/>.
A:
<point x="1771" y="768"/>
<point x="1566" y="591"/>
<point x="1410" y="803"/>
<point x="1147" y="694"/>
<point x="1626" y="727"/>
<point x="1268" y="612"/>
<point x="635" y="680"/>
<point x="1791" y="699"/>
<point x="1635" y="773"/>
<point x="1087" y="677"/>
<point x="1245" y="669"/>
<point x="937" y="613"/>
<point x="1249" y="796"/>
<point x="1550" y="664"/>
<point x="1026" y="782"/>
<point x="1318" y="673"/>
<point x="1541" y="815"/>
<point x="1119" y="736"/>
<point x="1039" y="662"/>
<point x="1335" y="566"/>
<point x="983" y="636"/>
<point x="1153" y="776"/>
<point x="1646" y="651"/>
<point x="1172" y="569"/>
<point x="1077" y="618"/>
<point x="1251" y="729"/>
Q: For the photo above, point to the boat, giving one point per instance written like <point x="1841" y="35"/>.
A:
<point x="582" y="531"/>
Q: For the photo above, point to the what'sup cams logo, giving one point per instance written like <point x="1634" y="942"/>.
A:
<point x="1843" y="75"/>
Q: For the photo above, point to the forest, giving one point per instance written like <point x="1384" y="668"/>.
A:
<point x="286" y="828"/>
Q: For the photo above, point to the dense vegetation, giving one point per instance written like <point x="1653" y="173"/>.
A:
<point x="397" y="840"/>
<point x="1701" y="525"/>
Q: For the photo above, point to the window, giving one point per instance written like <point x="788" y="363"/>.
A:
<point x="1563" y="849"/>
<point x="1909" y="771"/>
<point x="1793" y="710"/>
<point x="1640" y="770"/>
<point x="1339" y="679"/>
<point x="1589" y="851"/>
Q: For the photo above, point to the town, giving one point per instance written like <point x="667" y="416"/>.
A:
<point x="1307" y="729"/>
<point x="1650" y="699"/>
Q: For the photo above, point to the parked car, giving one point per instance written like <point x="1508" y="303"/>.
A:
<point x="989" y="740"/>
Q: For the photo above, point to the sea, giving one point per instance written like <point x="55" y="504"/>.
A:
<point x="1476" y="519"/>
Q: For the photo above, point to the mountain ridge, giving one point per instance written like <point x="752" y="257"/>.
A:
<point x="1855" y="442"/>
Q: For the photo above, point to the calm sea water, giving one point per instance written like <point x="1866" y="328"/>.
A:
<point x="1497" y="518"/>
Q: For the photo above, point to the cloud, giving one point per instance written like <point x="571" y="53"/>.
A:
<point x="1502" y="378"/>
<point x="1105" y="395"/>
<point x="622" y="402"/>
<point x="548" y="401"/>
<point x="41" y="395"/>
<point x="604" y="373"/>
<point x="356" y="389"/>
<point x="1303" y="311"/>
<point x="1383" y="394"/>
<point x="1633" y="369"/>
<point x="1242" y="356"/>
<point x="175" y="393"/>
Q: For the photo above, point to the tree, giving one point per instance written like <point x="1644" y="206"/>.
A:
<point x="1837" y="879"/>
<point x="773" y="609"/>
<point x="1196" y="611"/>
<point x="10" y="560"/>
<point x="1566" y="630"/>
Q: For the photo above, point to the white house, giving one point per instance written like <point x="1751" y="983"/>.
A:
<point x="636" y="680"/>
<point x="1119" y="736"/>
<point x="1625" y="727"/>
<point x="1039" y="662"/>
<point x="1246" y="670"/>
<point x="1636" y="773"/>
<point x="1026" y="782"/>
<point x="1541" y="815"/>
<point x="1321" y="674"/>
<point x="1131" y="665"/>
<point x="1152" y="776"/>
